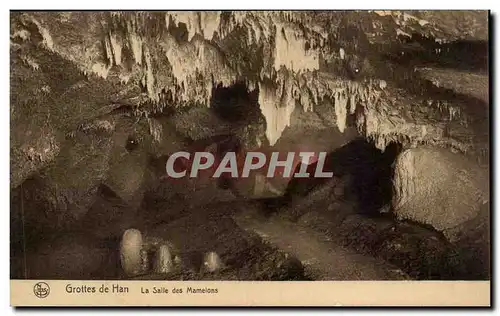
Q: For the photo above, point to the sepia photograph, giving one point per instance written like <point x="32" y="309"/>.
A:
<point x="294" y="146"/>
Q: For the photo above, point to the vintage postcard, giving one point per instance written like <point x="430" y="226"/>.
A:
<point x="249" y="158"/>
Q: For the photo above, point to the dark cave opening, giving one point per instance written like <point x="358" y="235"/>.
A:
<point x="368" y="169"/>
<point x="179" y="31"/>
<point x="235" y="103"/>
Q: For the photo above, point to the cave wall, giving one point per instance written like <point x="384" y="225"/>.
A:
<point x="439" y="188"/>
<point x="77" y="97"/>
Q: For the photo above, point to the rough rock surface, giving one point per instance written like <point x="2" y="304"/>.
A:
<point x="438" y="188"/>
<point x="159" y="60"/>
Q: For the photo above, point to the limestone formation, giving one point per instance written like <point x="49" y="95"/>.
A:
<point x="100" y="100"/>
<point x="130" y="252"/>
<point x="164" y="262"/>
<point x="438" y="188"/>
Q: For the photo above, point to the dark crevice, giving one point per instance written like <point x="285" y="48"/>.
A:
<point x="235" y="103"/>
<point x="179" y="31"/>
<point x="369" y="170"/>
<point x="465" y="55"/>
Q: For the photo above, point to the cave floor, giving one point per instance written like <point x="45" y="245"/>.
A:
<point x="254" y="246"/>
<point x="326" y="241"/>
<point x="321" y="235"/>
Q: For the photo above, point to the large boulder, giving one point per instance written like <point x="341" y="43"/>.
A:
<point x="438" y="188"/>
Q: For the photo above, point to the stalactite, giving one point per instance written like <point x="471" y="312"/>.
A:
<point x="277" y="106"/>
<point x="116" y="47"/>
<point x="341" y="110"/>
<point x="128" y="50"/>
<point x="290" y="51"/>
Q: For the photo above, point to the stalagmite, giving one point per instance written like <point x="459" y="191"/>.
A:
<point x="130" y="252"/>
<point x="164" y="261"/>
<point x="212" y="262"/>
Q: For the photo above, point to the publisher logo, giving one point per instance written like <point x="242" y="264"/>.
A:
<point x="41" y="290"/>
